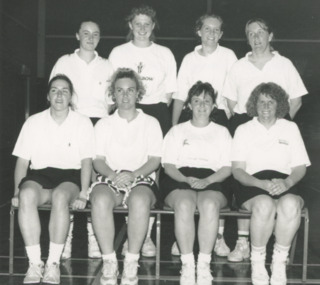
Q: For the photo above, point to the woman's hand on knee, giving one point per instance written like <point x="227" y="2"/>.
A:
<point x="79" y="204"/>
<point x="200" y="184"/>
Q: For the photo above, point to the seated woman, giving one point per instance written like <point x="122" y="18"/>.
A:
<point x="59" y="144"/>
<point x="196" y="159"/>
<point x="128" y="151"/>
<point x="268" y="160"/>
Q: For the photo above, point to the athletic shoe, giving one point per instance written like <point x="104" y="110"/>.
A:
<point x="130" y="273"/>
<point x="259" y="274"/>
<point x="220" y="248"/>
<point x="93" y="247"/>
<point x="148" y="248"/>
<point x="188" y="276"/>
<point x="241" y="251"/>
<point x="175" y="249"/>
<point x="34" y="273"/>
<point x="109" y="272"/>
<point x="51" y="274"/>
<point x="204" y="276"/>
<point x="278" y="273"/>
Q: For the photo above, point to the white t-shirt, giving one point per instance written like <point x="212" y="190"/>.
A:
<point x="212" y="69"/>
<point x="127" y="145"/>
<point x="244" y="77"/>
<point x="156" y="66"/>
<point x="47" y="144"/>
<point x="207" y="147"/>
<point x="279" y="148"/>
<point x="90" y="81"/>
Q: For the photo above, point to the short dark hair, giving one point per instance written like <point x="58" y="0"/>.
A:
<point x="142" y="10"/>
<point x="87" y="21"/>
<point x="263" y="23"/>
<point x="200" y="20"/>
<point x="273" y="91"/>
<point x="126" y="73"/>
<point x="61" y="76"/>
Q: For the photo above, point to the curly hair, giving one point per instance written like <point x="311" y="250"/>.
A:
<point x="200" y="20"/>
<point x="142" y="10"/>
<point x="126" y="73"/>
<point x="273" y="91"/>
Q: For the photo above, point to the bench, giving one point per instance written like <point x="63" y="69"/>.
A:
<point x="226" y="212"/>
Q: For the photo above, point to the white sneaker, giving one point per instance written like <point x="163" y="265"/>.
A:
<point x="259" y="274"/>
<point x="93" y="247"/>
<point x="221" y="248"/>
<point x="34" y="273"/>
<point x="188" y="274"/>
<point x="130" y="273"/>
<point x="148" y="248"/>
<point x="241" y="251"/>
<point x="109" y="272"/>
<point x="204" y="276"/>
<point x="175" y="249"/>
<point x="278" y="273"/>
<point x="51" y="273"/>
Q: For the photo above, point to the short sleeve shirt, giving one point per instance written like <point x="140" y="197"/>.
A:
<point x="127" y="145"/>
<point x="156" y="66"/>
<point x="279" y="148"/>
<point x="207" y="147"/>
<point x="47" y="144"/>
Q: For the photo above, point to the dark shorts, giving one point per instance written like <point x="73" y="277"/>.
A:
<point x="94" y="120"/>
<point x="245" y="193"/>
<point x="50" y="178"/>
<point x="217" y="116"/>
<point x="236" y="120"/>
<point x="159" y="111"/>
<point x="168" y="184"/>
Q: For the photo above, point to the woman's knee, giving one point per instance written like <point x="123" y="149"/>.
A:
<point x="264" y="207"/>
<point x="209" y="206"/>
<point x="102" y="198"/>
<point x="28" y="196"/>
<point x="60" y="199"/>
<point x="141" y="198"/>
<point x="289" y="206"/>
<point x="185" y="206"/>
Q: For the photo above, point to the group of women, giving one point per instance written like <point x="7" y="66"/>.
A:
<point x="266" y="157"/>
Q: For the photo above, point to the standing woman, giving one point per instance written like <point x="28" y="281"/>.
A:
<point x="128" y="151"/>
<point x="262" y="64"/>
<point x="196" y="159"/>
<point x="209" y="62"/>
<point x="268" y="160"/>
<point x="157" y="68"/>
<point x="58" y="143"/>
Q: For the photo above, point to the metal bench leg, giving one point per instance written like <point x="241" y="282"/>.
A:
<point x="11" y="242"/>
<point x="305" y="247"/>
<point x="158" y="241"/>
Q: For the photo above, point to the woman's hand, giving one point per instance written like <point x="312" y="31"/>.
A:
<point x="200" y="183"/>
<point x="124" y="179"/>
<point x="267" y="185"/>
<point x="279" y="186"/>
<point x="15" y="200"/>
<point x="80" y="203"/>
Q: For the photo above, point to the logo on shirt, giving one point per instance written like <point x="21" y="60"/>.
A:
<point x="283" y="142"/>
<point x="140" y="66"/>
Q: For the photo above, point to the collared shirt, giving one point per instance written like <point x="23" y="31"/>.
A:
<point x="206" y="147"/>
<point x="278" y="148"/>
<point x="212" y="69"/>
<point x="47" y="144"/>
<point x="128" y="145"/>
<point x="244" y="77"/>
<point x="156" y="66"/>
<point x="90" y="81"/>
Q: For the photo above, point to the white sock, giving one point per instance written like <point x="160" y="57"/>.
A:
<point x="151" y="222"/>
<point x="258" y="253"/>
<point x="110" y="256"/>
<point x="55" y="251"/>
<point x="243" y="235"/>
<point x="204" y="257"/>
<point x="187" y="258"/>
<point x="34" y="253"/>
<point x="280" y="252"/>
<point x="132" y="256"/>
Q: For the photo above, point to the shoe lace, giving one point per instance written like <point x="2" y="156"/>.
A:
<point x="50" y="272"/>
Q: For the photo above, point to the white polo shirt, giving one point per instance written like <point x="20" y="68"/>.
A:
<point x="207" y="147"/>
<point x="212" y="69"/>
<point x="244" y="77"/>
<point x="90" y="81"/>
<point x="156" y="66"/>
<point x="279" y="148"/>
<point x="127" y="145"/>
<point x="47" y="144"/>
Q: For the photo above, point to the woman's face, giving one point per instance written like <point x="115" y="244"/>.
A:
<point x="201" y="106"/>
<point x="125" y="93"/>
<point x="210" y="32"/>
<point x="59" y="95"/>
<point x="88" y="36"/>
<point x="266" y="107"/>
<point x="142" y="27"/>
<point x="258" y="37"/>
